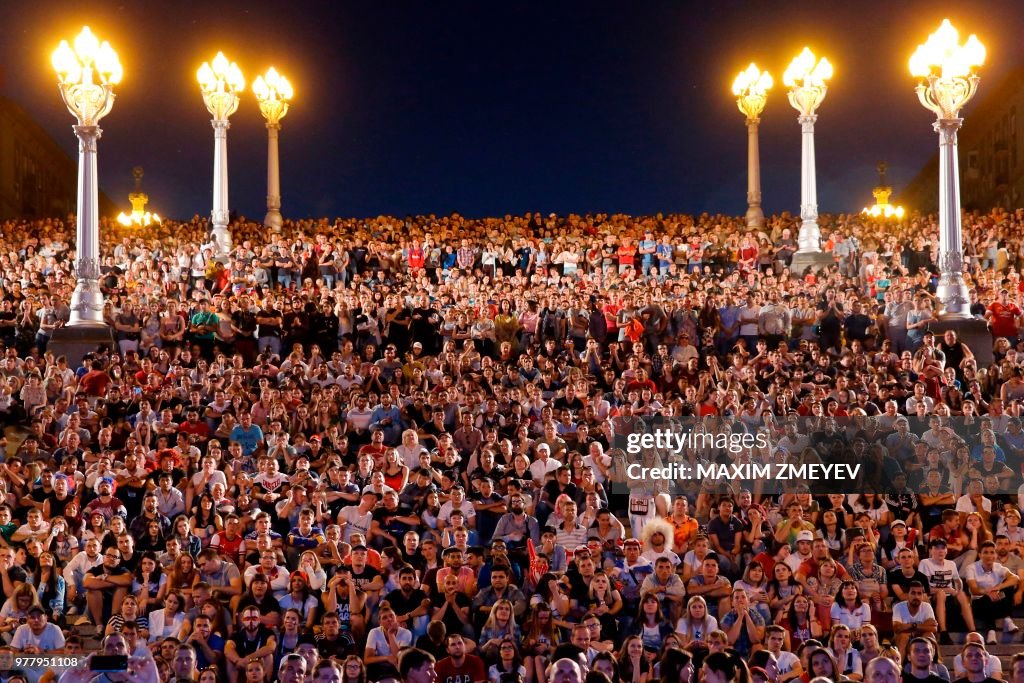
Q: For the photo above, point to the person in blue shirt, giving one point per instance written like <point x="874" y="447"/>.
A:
<point x="388" y="418"/>
<point x="249" y="435"/>
<point x="646" y="248"/>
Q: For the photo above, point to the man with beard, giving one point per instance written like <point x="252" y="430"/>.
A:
<point x="208" y="646"/>
<point x="105" y="502"/>
<point x="252" y="642"/>
<point x="409" y="602"/>
<point x="106" y="585"/>
<point x="500" y="589"/>
<point x="150" y="513"/>
<point x="458" y="665"/>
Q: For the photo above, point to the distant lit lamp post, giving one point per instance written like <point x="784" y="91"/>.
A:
<point x="221" y="84"/>
<point x="87" y="76"/>
<point x="139" y="216"/>
<point x="805" y="79"/>
<point x="273" y="92"/>
<point x="948" y="80"/>
<point x="882" y="208"/>
<point x="751" y="90"/>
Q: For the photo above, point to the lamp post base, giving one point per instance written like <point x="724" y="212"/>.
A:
<point x="973" y="332"/>
<point x="755" y="218"/>
<point x="815" y="260"/>
<point x="74" y="341"/>
<point x="273" y="220"/>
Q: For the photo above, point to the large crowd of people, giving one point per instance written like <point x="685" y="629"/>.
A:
<point x="389" y="450"/>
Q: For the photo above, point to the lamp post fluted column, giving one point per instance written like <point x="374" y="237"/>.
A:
<point x="948" y="80"/>
<point x="221" y="82"/>
<point x="755" y="214"/>
<point x="810" y="234"/>
<point x="87" y="75"/>
<point x="805" y="77"/>
<point x="951" y="289"/>
<point x="273" y="92"/>
<point x="87" y="299"/>
<point x="273" y="218"/>
<point x="221" y="214"/>
<point x="751" y="89"/>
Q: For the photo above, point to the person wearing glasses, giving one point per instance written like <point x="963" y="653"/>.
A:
<point x="106" y="586"/>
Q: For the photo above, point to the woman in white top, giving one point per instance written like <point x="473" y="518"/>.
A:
<point x="696" y="625"/>
<point x="167" y="621"/>
<point x="849" y="610"/>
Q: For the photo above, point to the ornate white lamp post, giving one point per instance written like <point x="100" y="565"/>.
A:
<point x="948" y="80"/>
<point x="87" y="75"/>
<point x="273" y="92"/>
<point x="751" y="90"/>
<point x="221" y="83"/>
<point x="805" y="79"/>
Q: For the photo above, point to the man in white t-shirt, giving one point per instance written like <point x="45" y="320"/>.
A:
<point x="543" y="465"/>
<point x="944" y="582"/>
<point x="993" y="667"/>
<point x="356" y="519"/>
<point x="384" y="642"/>
<point x="456" y="501"/>
<point x="787" y="663"/>
<point x="36" y="636"/>
<point x="913" y="617"/>
<point x="992" y="587"/>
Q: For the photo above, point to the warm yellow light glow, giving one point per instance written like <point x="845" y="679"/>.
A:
<point x="807" y="71"/>
<point x="138" y="219"/>
<point x="66" y="63"/>
<point x="272" y="86"/>
<point x="86" y="75"/>
<point x="86" y="45"/>
<point x="88" y="58"/>
<point x="273" y="91"/>
<point x="942" y="55"/>
<point x="947" y="70"/>
<point x="752" y="81"/>
<point x="221" y="76"/>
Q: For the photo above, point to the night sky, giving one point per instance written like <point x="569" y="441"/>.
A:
<point x="489" y="108"/>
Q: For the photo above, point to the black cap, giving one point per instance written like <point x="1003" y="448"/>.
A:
<point x="359" y="547"/>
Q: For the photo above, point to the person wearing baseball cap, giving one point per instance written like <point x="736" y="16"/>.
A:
<point x="37" y="633"/>
<point x="105" y="503"/>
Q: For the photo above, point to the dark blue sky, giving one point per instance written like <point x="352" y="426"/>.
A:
<point x="501" y="107"/>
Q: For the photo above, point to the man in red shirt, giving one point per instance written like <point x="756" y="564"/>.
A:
<point x="459" y="667"/>
<point x="1002" y="315"/>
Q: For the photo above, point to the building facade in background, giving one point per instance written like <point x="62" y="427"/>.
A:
<point x="991" y="155"/>
<point x="37" y="177"/>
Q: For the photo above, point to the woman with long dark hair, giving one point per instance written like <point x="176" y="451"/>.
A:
<point x="633" y="665"/>
<point x="49" y="584"/>
<point x="152" y="540"/>
<point x="150" y="583"/>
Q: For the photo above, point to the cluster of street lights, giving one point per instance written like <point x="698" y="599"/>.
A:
<point x="948" y="79"/>
<point x="947" y="73"/>
<point x="221" y="82"/>
<point x="87" y="74"/>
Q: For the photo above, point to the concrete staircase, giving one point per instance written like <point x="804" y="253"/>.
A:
<point x="1009" y="644"/>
